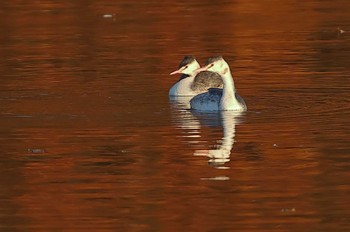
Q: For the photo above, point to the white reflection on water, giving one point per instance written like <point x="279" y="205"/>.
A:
<point x="192" y="121"/>
<point x="185" y="119"/>
<point x="181" y="102"/>
<point x="228" y="121"/>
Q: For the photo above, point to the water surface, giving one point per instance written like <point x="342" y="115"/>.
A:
<point x="90" y="140"/>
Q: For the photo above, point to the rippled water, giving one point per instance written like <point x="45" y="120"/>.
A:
<point x="90" y="141"/>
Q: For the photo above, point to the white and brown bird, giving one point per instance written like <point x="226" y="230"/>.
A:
<point x="193" y="82"/>
<point x="219" y="99"/>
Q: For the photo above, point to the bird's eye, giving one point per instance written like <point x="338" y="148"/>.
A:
<point x="186" y="66"/>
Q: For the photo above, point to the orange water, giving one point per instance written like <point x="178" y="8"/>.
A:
<point x="90" y="141"/>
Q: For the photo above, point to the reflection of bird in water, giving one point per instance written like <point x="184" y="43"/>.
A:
<point x="229" y="119"/>
<point x="191" y="122"/>
<point x="191" y="82"/>
<point x="182" y="116"/>
<point x="219" y="99"/>
<point x="182" y="102"/>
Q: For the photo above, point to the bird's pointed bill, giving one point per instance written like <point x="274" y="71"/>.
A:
<point x="205" y="68"/>
<point x="177" y="71"/>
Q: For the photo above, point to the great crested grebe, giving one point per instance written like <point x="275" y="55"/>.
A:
<point x="193" y="82"/>
<point x="219" y="99"/>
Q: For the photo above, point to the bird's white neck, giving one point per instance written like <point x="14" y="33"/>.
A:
<point x="228" y="100"/>
<point x="182" y="87"/>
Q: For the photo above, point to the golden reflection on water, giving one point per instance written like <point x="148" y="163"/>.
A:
<point x="89" y="139"/>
